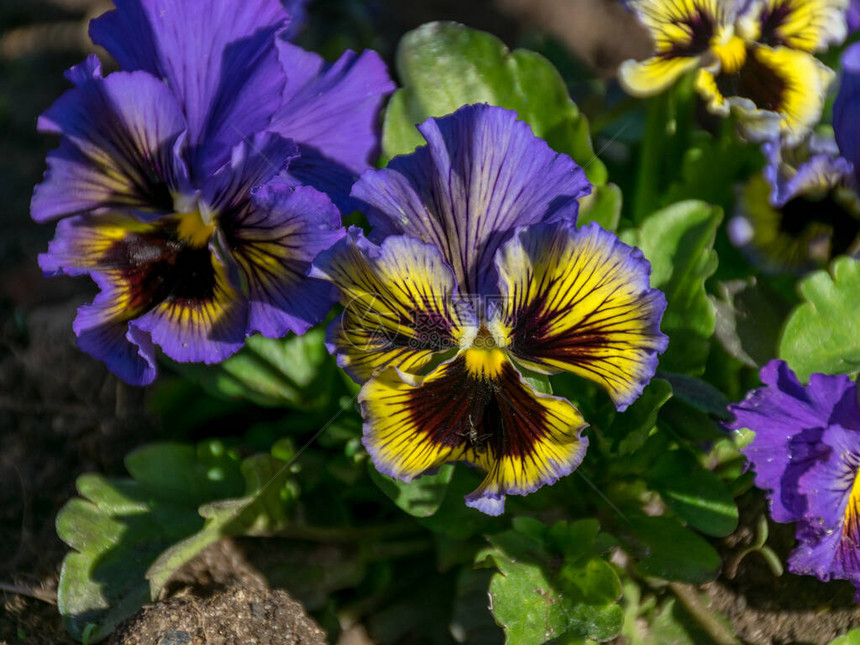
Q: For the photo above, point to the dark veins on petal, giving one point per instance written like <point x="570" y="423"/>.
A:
<point x="701" y="27"/>
<point x="771" y="20"/>
<point x="535" y="339"/>
<point x="483" y="414"/>
<point x="145" y="173"/>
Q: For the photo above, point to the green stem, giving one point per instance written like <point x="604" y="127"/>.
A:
<point x="648" y="172"/>
<point x="718" y="632"/>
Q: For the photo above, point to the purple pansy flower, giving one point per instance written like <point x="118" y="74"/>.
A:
<point x="475" y="276"/>
<point x="812" y="166"/>
<point x="846" y="110"/>
<point x="297" y="10"/>
<point x="800" y="211"/>
<point x="806" y="454"/>
<point x="172" y="179"/>
<point x="804" y="208"/>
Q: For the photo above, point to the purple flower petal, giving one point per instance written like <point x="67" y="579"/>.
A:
<point x="853" y="16"/>
<point x="119" y="147"/>
<point x="788" y="419"/>
<point x="332" y="110"/>
<point x="846" y="109"/>
<point x="813" y="166"/>
<point x="312" y="168"/>
<point x="829" y="535"/>
<point x="400" y="304"/>
<point x="274" y="243"/>
<point x="333" y="107"/>
<point x="201" y="320"/>
<point x="482" y="174"/>
<point x="298" y="15"/>
<point x="252" y="163"/>
<point x="217" y="56"/>
<point x="104" y="334"/>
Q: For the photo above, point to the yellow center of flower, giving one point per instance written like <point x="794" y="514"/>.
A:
<point x="852" y="510"/>
<point x="191" y="228"/>
<point x="485" y="359"/>
<point x="732" y="54"/>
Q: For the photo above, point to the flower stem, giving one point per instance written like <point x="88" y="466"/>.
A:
<point x="653" y="141"/>
<point x="718" y="632"/>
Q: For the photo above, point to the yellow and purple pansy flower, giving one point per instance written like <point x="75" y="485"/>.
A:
<point x="754" y="58"/>
<point x="806" y="454"/>
<point x="177" y="181"/>
<point x="475" y="276"/>
<point x="804" y="208"/>
<point x="801" y="210"/>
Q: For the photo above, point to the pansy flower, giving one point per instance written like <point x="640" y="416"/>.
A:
<point x="474" y="277"/>
<point x="846" y="110"/>
<point x="806" y="454"/>
<point x="801" y="211"/>
<point x="687" y="34"/>
<point x="754" y="58"/>
<point x="172" y="184"/>
<point x="777" y="86"/>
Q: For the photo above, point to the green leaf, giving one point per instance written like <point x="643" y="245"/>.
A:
<point x="602" y="206"/>
<point x="678" y="241"/>
<point x="851" y="638"/>
<point x="630" y="429"/>
<point x="260" y="512"/>
<point x="454" y="519"/>
<point x="118" y="527"/>
<point x="747" y="313"/>
<point x="196" y="474"/>
<point x="689" y="423"/>
<point x="445" y="65"/>
<point x="694" y="494"/>
<point x="665" y="549"/>
<point x="712" y="167"/>
<point x="129" y="535"/>
<point x="539" y="382"/>
<point x="823" y="333"/>
<point x="294" y="372"/>
<point x="699" y="394"/>
<point x="420" y="497"/>
<point x="552" y="584"/>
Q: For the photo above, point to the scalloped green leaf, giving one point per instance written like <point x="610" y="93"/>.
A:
<point x="129" y="535"/>
<point x="552" y="583"/>
<point x="445" y="65"/>
<point x="118" y="527"/>
<point x="678" y="241"/>
<point x="823" y="333"/>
